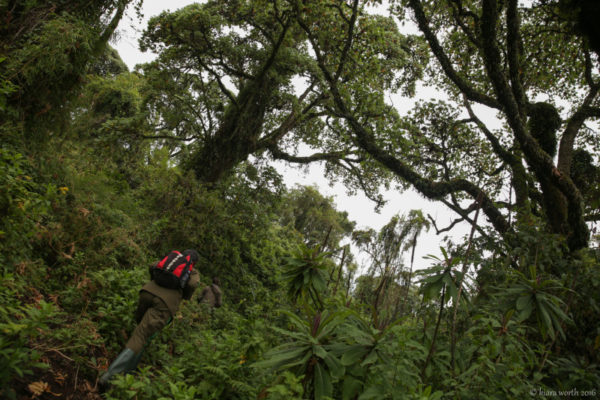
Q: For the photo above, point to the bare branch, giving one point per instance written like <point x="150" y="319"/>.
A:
<point x="465" y="216"/>
<point x="496" y="145"/>
<point x="446" y="229"/>
<point x="379" y="202"/>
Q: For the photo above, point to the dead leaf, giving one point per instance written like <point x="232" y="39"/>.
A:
<point x="53" y="298"/>
<point x="83" y="283"/>
<point x="88" y="386"/>
<point x="37" y="388"/>
<point x="37" y="297"/>
<point x="59" y="378"/>
<point x="21" y="268"/>
<point x="102" y="363"/>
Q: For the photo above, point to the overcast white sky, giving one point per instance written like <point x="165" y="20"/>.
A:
<point x="359" y="208"/>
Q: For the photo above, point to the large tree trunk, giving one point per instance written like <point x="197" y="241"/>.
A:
<point x="238" y="135"/>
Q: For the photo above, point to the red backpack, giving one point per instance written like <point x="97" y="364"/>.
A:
<point x="173" y="271"/>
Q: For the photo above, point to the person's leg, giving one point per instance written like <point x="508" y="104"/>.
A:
<point x="156" y="315"/>
<point x="144" y="302"/>
<point x="125" y="362"/>
<point x="154" y="319"/>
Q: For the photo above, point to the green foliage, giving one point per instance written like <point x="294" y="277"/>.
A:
<point x="49" y="46"/>
<point x="305" y="275"/>
<point x="20" y="323"/>
<point x="309" y="353"/>
<point x="132" y="165"/>
<point x="534" y="293"/>
<point x="493" y="348"/>
<point x="441" y="277"/>
<point x="130" y="386"/>
<point x="288" y="387"/>
<point x="6" y="88"/>
<point x="23" y="203"/>
<point x="315" y="217"/>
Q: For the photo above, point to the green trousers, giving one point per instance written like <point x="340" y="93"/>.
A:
<point x="152" y="314"/>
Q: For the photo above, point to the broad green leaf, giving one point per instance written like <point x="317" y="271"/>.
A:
<point x="525" y="312"/>
<point x="278" y="357"/>
<point x="545" y="317"/>
<point x="351" y="388"/>
<point x="523" y="301"/>
<point x="319" y="351"/>
<point x="335" y="366"/>
<point x="373" y="392"/>
<point x="354" y="354"/>
<point x="322" y="383"/>
<point x="370" y="359"/>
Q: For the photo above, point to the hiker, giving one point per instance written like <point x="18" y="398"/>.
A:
<point x="172" y="279"/>
<point x="211" y="295"/>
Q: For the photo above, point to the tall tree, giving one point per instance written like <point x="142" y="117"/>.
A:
<point x="316" y="218"/>
<point x="515" y="61"/>
<point x="46" y="48"/>
<point x="387" y="271"/>
<point x="237" y="78"/>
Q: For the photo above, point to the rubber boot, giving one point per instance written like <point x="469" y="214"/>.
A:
<point x="126" y="361"/>
<point x="137" y="359"/>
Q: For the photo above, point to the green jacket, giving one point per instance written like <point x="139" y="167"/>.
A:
<point x="172" y="297"/>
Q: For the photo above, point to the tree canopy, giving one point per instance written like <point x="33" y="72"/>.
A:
<point x="293" y="70"/>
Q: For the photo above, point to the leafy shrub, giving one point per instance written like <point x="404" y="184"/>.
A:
<point x="23" y="202"/>
<point x="20" y="324"/>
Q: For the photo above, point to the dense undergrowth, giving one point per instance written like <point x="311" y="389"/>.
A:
<point x="290" y="327"/>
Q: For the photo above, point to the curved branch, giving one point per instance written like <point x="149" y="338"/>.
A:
<point x="217" y="77"/>
<point x="461" y="12"/>
<point x="110" y="28"/>
<point x="504" y="154"/>
<point x="514" y="44"/>
<point x="348" y="43"/>
<point x="465" y="216"/>
<point x="519" y="172"/>
<point x="431" y="189"/>
<point x="567" y="141"/>
<point x="378" y="200"/>
<point x="554" y="183"/>
<point x="333" y="156"/>
<point x="446" y="229"/>
<point x="274" y="51"/>
<point x="445" y="62"/>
